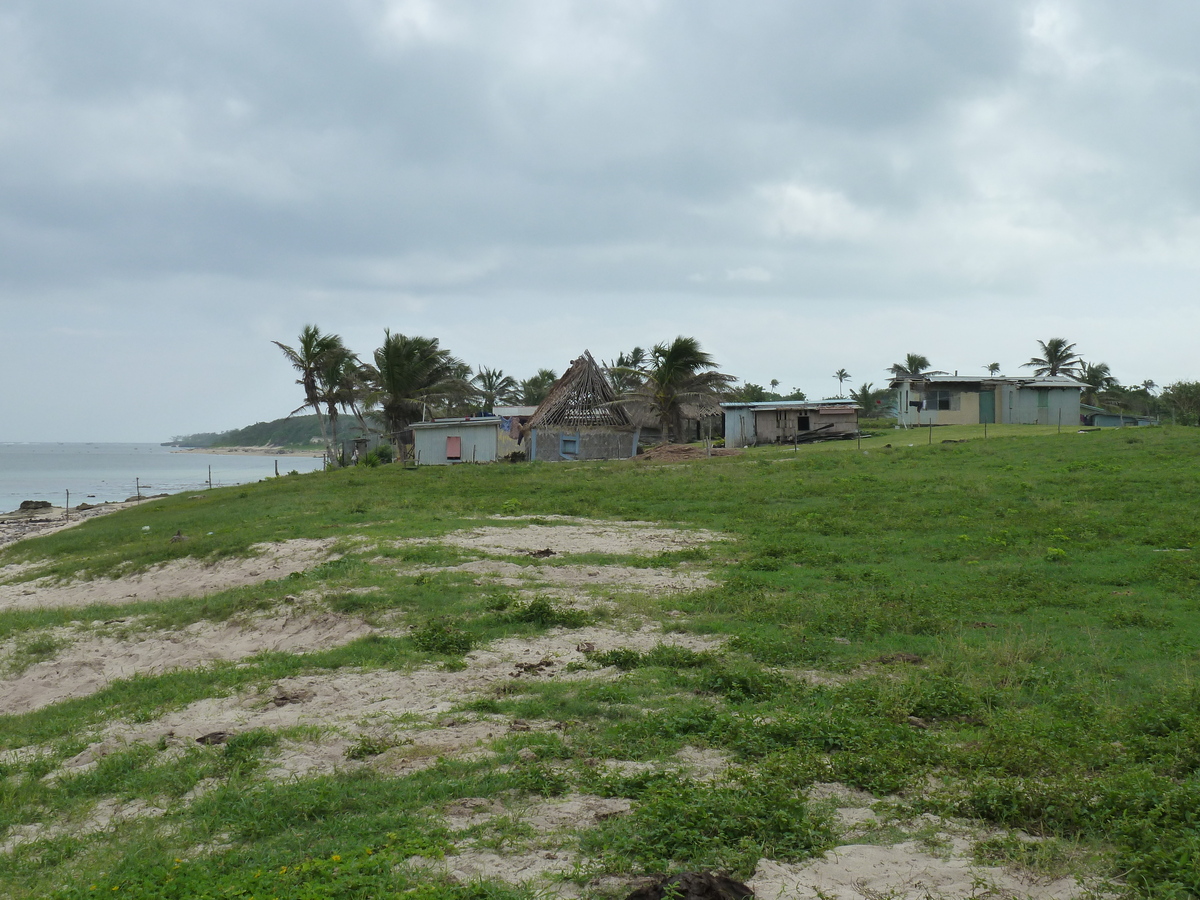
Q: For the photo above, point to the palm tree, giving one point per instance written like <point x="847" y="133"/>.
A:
<point x="676" y="374"/>
<point x="410" y="374"/>
<point x="311" y="354"/>
<point x="624" y="371"/>
<point x="1098" y="379"/>
<point x="842" y="376"/>
<point x="1058" y="358"/>
<point x="535" y="389"/>
<point x="867" y="397"/>
<point x="338" y="385"/>
<point x="993" y="369"/>
<point x="914" y="366"/>
<point x="492" y="386"/>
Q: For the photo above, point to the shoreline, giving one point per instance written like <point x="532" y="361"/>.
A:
<point x="17" y="526"/>
<point x="249" y="451"/>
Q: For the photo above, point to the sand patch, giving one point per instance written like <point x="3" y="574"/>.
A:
<point x="656" y="581"/>
<point x="903" y="871"/>
<point x="545" y="868"/>
<point x="618" y="539"/>
<point x="354" y="702"/>
<point x="87" y="665"/>
<point x="106" y="814"/>
<point x="543" y="858"/>
<point x="178" y="578"/>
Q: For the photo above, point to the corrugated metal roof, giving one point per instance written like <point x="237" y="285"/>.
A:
<point x="1029" y="381"/>
<point x="770" y="405"/>
<point x="452" y="423"/>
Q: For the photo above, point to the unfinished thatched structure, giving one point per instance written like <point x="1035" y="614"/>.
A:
<point x="579" y="418"/>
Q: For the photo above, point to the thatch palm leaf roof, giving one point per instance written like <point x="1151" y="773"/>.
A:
<point x="582" y="396"/>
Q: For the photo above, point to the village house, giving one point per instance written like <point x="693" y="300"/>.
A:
<point x="788" y="421"/>
<point x="990" y="400"/>
<point x="580" y="418"/>
<point x="445" y="442"/>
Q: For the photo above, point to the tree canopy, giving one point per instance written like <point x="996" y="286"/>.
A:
<point x="675" y="375"/>
<point x="1058" y="358"/>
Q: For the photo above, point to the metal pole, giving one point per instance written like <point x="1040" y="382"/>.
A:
<point x="1060" y="420"/>
<point x="138" y="483"/>
<point x="930" y="429"/>
<point x="210" y="478"/>
<point x="67" y="508"/>
<point x="276" y="468"/>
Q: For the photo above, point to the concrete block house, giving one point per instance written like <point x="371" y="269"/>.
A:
<point x="991" y="400"/>
<point x="580" y="418"/>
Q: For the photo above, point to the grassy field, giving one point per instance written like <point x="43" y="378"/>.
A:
<point x="1001" y="631"/>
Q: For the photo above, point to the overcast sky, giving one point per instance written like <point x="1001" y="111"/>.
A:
<point x="803" y="186"/>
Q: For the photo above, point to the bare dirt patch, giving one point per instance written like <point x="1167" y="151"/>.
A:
<point x="543" y="858"/>
<point x="668" y="581"/>
<point x="106" y="814"/>
<point x="88" y="664"/>
<point x="179" y="578"/>
<point x="910" y="869"/>
<point x="403" y="702"/>
<point x="618" y="539"/>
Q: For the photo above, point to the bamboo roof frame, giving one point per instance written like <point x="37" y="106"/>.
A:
<point x="583" y="396"/>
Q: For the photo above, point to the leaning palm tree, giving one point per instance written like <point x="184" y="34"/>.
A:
<point x="1058" y="358"/>
<point x="993" y="369"/>
<point x="914" y="366"/>
<point x="675" y="375"/>
<point x="842" y="377"/>
<point x="409" y="375"/>
<point x="312" y="352"/>
<point x="492" y="386"/>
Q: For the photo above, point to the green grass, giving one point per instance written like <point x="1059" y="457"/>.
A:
<point x="1004" y="629"/>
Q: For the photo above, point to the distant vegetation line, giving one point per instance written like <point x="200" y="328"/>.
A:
<point x="293" y="431"/>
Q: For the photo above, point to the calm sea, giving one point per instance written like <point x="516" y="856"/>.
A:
<point x="94" y="473"/>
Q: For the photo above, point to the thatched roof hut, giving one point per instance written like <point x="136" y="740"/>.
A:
<point x="580" y="418"/>
<point x="583" y="396"/>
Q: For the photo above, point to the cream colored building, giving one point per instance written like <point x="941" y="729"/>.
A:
<point x="961" y="400"/>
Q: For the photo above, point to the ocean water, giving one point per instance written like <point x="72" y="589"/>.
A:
<point x="94" y="473"/>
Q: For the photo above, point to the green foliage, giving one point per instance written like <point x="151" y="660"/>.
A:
<point x="442" y="636"/>
<point x="680" y="822"/>
<point x="544" y="613"/>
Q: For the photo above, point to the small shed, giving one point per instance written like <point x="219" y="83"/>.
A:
<point x="786" y="421"/>
<point x="580" y="419"/>
<point x="445" y="442"/>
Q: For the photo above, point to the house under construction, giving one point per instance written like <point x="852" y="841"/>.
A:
<point x="579" y="419"/>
